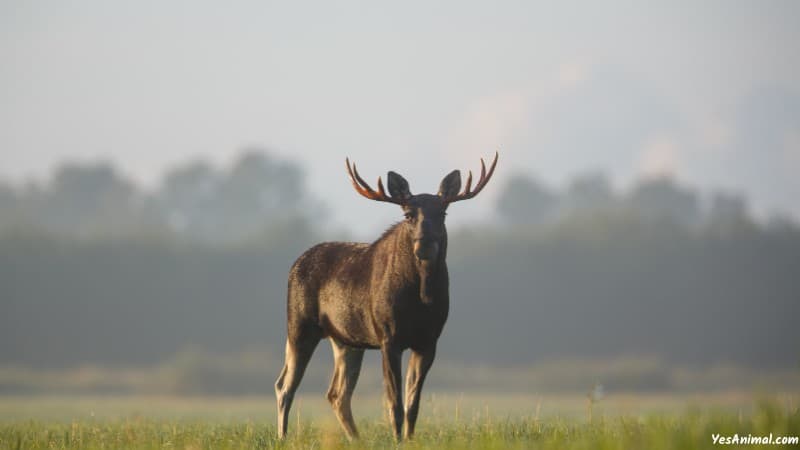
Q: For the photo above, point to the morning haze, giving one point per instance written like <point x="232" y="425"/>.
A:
<point x="162" y="165"/>
<point x="706" y="92"/>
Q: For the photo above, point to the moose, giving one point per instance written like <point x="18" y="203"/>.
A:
<point x="391" y="295"/>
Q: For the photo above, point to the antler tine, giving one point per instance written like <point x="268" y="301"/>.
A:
<point x="354" y="179"/>
<point x="469" y="182"/>
<point x="482" y="181"/>
<point x="361" y="181"/>
<point x="363" y="188"/>
<point x="358" y="182"/>
<point x="380" y="188"/>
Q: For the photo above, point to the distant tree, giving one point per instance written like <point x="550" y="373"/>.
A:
<point x="728" y="212"/>
<point x="25" y="208"/>
<point x="259" y="187"/>
<point x="591" y="191"/>
<point x="662" y="199"/>
<point x="525" y="200"/>
<point x="83" y="199"/>
<point x="188" y="196"/>
<point x="779" y="222"/>
<point x="257" y="193"/>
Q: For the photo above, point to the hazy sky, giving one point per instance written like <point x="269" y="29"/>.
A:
<point x="708" y="91"/>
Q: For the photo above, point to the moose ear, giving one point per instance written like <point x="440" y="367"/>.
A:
<point x="398" y="186"/>
<point x="450" y="185"/>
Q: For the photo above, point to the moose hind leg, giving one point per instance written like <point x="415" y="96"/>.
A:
<point x="298" y="353"/>
<point x="347" y="366"/>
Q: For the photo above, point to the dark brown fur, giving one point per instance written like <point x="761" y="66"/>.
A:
<point x="391" y="295"/>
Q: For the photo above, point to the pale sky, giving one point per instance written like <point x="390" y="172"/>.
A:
<point x="706" y="91"/>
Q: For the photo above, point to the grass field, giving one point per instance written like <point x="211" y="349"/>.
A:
<point x="618" y="421"/>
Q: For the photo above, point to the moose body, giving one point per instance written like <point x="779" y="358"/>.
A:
<point x="391" y="295"/>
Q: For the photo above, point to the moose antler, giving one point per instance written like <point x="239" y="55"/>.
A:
<point x="364" y="189"/>
<point x="467" y="194"/>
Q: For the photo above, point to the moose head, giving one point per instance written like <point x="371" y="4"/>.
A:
<point x="424" y="213"/>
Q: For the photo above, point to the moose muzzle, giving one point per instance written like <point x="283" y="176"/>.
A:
<point x="426" y="250"/>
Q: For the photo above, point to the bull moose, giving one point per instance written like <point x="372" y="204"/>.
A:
<point x="392" y="295"/>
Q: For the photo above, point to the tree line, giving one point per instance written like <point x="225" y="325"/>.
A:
<point x="587" y="276"/>
<point x="196" y="200"/>
<point x="200" y="201"/>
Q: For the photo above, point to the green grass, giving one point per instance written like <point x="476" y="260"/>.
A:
<point x="685" y="427"/>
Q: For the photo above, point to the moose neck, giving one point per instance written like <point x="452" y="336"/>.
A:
<point x="428" y="274"/>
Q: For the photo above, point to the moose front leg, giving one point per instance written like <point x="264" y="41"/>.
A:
<point x="418" y="365"/>
<point x="392" y="367"/>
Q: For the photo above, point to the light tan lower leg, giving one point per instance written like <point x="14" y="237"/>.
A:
<point x="347" y="366"/>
